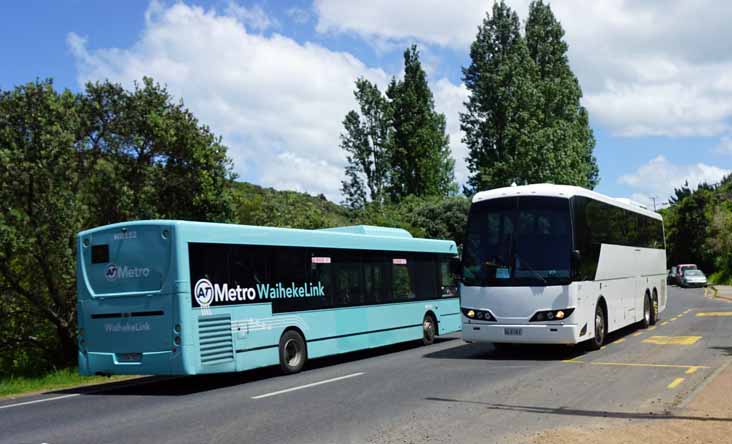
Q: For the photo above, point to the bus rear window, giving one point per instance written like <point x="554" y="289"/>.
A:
<point x="100" y="254"/>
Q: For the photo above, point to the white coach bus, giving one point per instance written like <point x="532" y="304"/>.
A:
<point x="558" y="264"/>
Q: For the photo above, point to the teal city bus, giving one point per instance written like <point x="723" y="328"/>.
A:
<point x="181" y="298"/>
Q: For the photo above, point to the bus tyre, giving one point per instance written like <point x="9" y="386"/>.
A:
<point x="647" y="307"/>
<point x="600" y="329"/>
<point x="429" y="329"/>
<point x="293" y="353"/>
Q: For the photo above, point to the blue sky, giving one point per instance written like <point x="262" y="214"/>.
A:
<point x="275" y="78"/>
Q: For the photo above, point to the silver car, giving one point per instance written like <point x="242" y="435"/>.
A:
<point x="693" y="278"/>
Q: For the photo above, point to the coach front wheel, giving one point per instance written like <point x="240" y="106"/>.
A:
<point x="600" y="329"/>
<point x="293" y="353"/>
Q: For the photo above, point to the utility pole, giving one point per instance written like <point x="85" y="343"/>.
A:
<point x="654" y="202"/>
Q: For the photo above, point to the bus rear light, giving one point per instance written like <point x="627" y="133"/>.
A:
<point x="481" y="315"/>
<point x="551" y="315"/>
<point x="176" y="341"/>
<point x="177" y="328"/>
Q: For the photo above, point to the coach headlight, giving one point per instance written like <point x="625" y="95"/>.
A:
<point x="551" y="315"/>
<point x="481" y="315"/>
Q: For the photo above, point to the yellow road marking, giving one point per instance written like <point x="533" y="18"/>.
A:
<point x="651" y="328"/>
<point x="672" y="340"/>
<point x="664" y="323"/>
<point x="636" y="364"/>
<point x="619" y="341"/>
<point x="675" y="383"/>
<point x="673" y="319"/>
<point x="692" y="370"/>
<point x="713" y="313"/>
<point x="637" y="334"/>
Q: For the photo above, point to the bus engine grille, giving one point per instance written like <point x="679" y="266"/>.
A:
<point x="214" y="337"/>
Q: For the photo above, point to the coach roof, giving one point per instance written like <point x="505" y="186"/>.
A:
<point x="562" y="191"/>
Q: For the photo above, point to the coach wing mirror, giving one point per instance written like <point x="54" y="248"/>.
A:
<point x="576" y="257"/>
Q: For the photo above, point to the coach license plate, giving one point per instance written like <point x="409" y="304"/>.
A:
<point x="129" y="357"/>
<point x="512" y="332"/>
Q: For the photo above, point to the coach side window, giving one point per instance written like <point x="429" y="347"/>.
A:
<point x="209" y="261"/>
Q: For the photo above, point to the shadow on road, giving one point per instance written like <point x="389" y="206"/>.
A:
<point x="578" y="412"/>
<point x="726" y="350"/>
<point x="187" y="385"/>
<point x="522" y="352"/>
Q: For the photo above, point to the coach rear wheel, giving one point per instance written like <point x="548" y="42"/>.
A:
<point x="654" y="308"/>
<point x="646" y="321"/>
<point x="429" y="328"/>
<point x="293" y="353"/>
<point x="600" y="329"/>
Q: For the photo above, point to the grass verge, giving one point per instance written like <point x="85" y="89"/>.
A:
<point x="54" y="380"/>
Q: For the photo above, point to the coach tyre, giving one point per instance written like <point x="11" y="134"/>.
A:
<point x="600" y="328"/>
<point x="646" y="321"/>
<point x="428" y="329"/>
<point x="293" y="353"/>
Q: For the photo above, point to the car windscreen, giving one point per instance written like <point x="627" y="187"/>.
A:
<point x="693" y="273"/>
<point x="518" y="241"/>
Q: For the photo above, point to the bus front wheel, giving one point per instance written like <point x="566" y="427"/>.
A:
<point x="429" y="329"/>
<point x="293" y="353"/>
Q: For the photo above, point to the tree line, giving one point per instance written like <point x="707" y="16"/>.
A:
<point x="70" y="161"/>
<point x="698" y="225"/>
<point x="523" y="121"/>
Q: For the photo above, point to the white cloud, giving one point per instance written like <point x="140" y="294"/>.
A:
<point x="298" y="15"/>
<point x="431" y="21"/>
<point x="254" y="17"/>
<point x="659" y="177"/>
<point x="278" y="103"/>
<point x="647" y="68"/>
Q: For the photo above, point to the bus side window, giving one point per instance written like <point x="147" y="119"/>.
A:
<point x="448" y="287"/>
<point x="423" y="277"/>
<point x="347" y="280"/>
<point x="401" y="285"/>
<point x="374" y="270"/>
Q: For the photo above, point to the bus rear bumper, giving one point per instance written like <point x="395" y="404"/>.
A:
<point x="522" y="334"/>
<point x="149" y="363"/>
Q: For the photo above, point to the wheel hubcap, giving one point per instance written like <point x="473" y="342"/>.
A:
<point x="646" y="310"/>
<point x="292" y="353"/>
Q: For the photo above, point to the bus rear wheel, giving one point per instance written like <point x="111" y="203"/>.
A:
<point x="429" y="329"/>
<point x="600" y="329"/>
<point x="293" y="353"/>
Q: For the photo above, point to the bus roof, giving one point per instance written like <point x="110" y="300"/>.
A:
<point x="563" y="191"/>
<point x="358" y="237"/>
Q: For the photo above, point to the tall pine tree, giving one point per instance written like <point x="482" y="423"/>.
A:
<point x="565" y="137"/>
<point x="420" y="159"/>
<point x="365" y="141"/>
<point x="523" y="121"/>
<point x="502" y="111"/>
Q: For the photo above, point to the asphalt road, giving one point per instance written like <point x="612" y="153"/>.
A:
<point x="448" y="392"/>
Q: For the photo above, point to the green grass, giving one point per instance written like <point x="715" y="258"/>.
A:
<point x="57" y="379"/>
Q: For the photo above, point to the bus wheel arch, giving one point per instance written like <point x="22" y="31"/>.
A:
<point x="429" y="328"/>
<point x="293" y="350"/>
